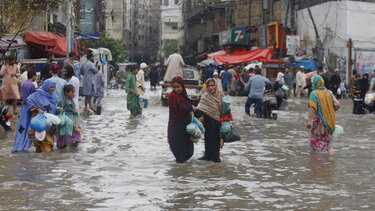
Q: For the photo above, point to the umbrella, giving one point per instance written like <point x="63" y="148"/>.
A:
<point x="207" y="61"/>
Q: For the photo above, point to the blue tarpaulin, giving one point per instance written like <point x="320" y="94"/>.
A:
<point x="307" y="64"/>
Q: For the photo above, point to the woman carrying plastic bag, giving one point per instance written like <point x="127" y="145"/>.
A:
<point x="209" y="108"/>
<point x="39" y="102"/>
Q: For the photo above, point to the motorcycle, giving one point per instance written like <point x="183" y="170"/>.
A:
<point x="270" y="106"/>
<point x="4" y="118"/>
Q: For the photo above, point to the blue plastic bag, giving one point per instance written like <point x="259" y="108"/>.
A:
<point x="38" y="123"/>
<point x="195" y="128"/>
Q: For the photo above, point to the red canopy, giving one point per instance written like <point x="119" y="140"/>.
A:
<point x="262" y="55"/>
<point x="48" y="39"/>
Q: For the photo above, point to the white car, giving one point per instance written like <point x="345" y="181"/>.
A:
<point x="192" y="83"/>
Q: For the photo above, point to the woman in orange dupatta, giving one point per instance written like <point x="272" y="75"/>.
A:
<point x="321" y="119"/>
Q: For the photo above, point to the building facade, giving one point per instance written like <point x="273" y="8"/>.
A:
<point x="139" y="30"/>
<point x="170" y="19"/>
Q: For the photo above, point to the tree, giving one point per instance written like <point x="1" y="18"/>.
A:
<point x="18" y="15"/>
<point x="169" y="47"/>
<point x="114" y="45"/>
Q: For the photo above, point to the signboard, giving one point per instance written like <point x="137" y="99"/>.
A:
<point x="365" y="61"/>
<point x="240" y="37"/>
<point x="292" y="45"/>
<point x="273" y="35"/>
<point x="224" y="37"/>
<point x="237" y="36"/>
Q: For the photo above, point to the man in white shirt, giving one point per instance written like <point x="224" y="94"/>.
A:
<point x="175" y="63"/>
<point x="141" y="87"/>
<point x="300" y="81"/>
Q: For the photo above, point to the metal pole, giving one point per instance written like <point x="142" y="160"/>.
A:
<point x="68" y="26"/>
<point x="318" y="44"/>
<point x="284" y="32"/>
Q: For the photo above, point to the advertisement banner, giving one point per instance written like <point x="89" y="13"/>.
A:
<point x="273" y="35"/>
<point x="239" y="36"/>
<point x="365" y="62"/>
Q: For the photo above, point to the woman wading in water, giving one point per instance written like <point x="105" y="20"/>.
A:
<point x="321" y="118"/>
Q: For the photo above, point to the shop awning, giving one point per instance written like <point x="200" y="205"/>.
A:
<point x="46" y="38"/>
<point x="16" y="43"/>
<point x="307" y="64"/>
<point x="262" y="55"/>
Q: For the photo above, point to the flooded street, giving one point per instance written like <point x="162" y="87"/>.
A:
<point x="127" y="165"/>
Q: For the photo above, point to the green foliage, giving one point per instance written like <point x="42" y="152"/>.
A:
<point x="115" y="46"/>
<point x="169" y="47"/>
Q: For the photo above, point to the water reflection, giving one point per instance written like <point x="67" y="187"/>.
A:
<point x="321" y="169"/>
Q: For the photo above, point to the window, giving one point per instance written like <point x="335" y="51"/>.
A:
<point x="176" y="1"/>
<point x="166" y="2"/>
<point x="82" y="12"/>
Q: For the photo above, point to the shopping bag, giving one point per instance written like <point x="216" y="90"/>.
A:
<point x="225" y="105"/>
<point x="38" y="123"/>
<point x="53" y="119"/>
<point x="338" y="131"/>
<point x="225" y="128"/>
<point x="195" y="128"/>
<point x="65" y="128"/>
<point x="233" y="136"/>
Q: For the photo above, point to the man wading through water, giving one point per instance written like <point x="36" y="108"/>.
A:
<point x="132" y="97"/>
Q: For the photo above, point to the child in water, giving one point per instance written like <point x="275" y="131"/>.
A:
<point x="67" y="105"/>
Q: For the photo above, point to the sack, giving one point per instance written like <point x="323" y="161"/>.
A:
<point x="225" y="128"/>
<point x="65" y="128"/>
<point x="225" y="105"/>
<point x="195" y="128"/>
<point x="38" y="123"/>
<point x="233" y="136"/>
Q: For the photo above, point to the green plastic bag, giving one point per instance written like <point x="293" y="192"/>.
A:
<point x="195" y="128"/>
<point x="65" y="128"/>
<point x="225" y="128"/>
<point x="225" y="105"/>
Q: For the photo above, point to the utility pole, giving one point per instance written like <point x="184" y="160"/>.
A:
<point x="68" y="26"/>
<point x="284" y="32"/>
<point x="319" y="50"/>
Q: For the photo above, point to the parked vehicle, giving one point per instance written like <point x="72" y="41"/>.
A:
<point x="4" y="118"/>
<point x="192" y="83"/>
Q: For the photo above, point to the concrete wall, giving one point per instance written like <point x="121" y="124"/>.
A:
<point x="337" y="21"/>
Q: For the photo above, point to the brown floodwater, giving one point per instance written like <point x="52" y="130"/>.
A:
<point x="127" y="165"/>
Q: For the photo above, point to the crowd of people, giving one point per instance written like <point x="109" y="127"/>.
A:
<point x="55" y="91"/>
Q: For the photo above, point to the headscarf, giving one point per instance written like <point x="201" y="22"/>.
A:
<point x="321" y="100"/>
<point x="210" y="104"/>
<point x="43" y="100"/>
<point x="179" y="104"/>
<point x="69" y="110"/>
<point x="364" y="84"/>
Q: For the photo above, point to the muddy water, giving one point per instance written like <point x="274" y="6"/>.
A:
<point x="127" y="165"/>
